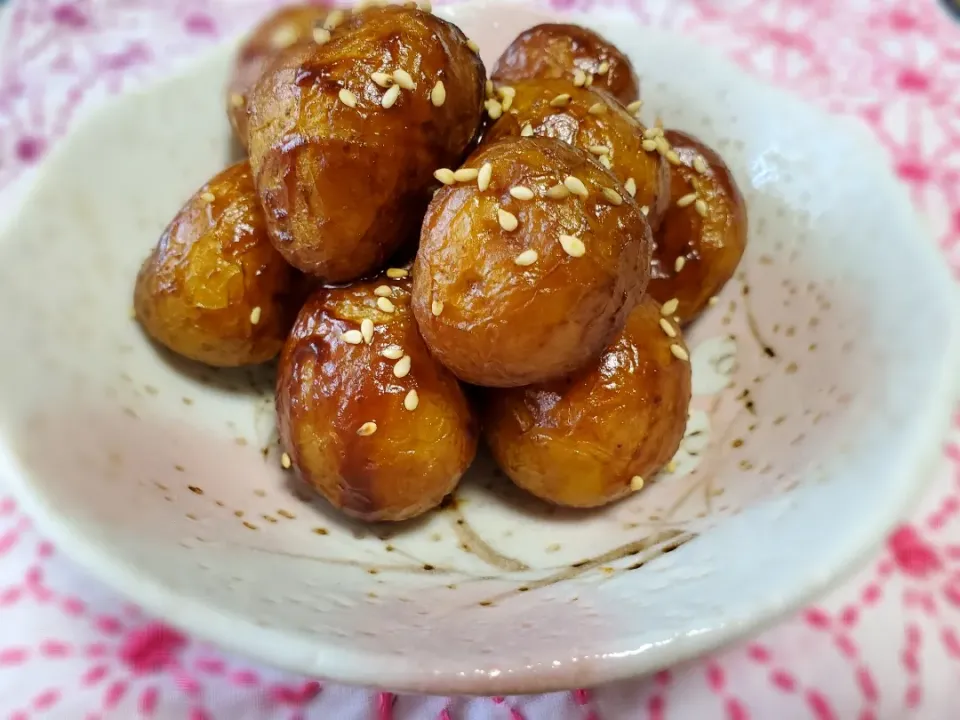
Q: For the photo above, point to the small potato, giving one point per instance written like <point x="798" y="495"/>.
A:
<point x="368" y="417"/>
<point x="572" y="52"/>
<point x="345" y="136"/>
<point x="704" y="232"/>
<point x="594" y="121"/>
<point x="288" y="26"/>
<point x="530" y="277"/>
<point x="214" y="289"/>
<point x="592" y="438"/>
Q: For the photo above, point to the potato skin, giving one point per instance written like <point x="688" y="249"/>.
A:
<point x="573" y="123"/>
<point x="212" y="267"/>
<point x="555" y="50"/>
<point x="503" y="324"/>
<point x="344" y="186"/>
<point x="327" y="389"/>
<point x="711" y="246"/>
<point x="578" y="441"/>
<point x="288" y="26"/>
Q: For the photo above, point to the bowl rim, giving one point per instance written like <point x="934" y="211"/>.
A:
<point x="241" y="635"/>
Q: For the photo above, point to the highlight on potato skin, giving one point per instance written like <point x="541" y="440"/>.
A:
<point x="530" y="277"/>
<point x="592" y="120"/>
<point x="367" y="416"/>
<point x="555" y="50"/>
<point x="345" y="136"/>
<point x="596" y="436"/>
<point x="289" y="26"/>
<point x="214" y="289"/>
<point x="703" y="234"/>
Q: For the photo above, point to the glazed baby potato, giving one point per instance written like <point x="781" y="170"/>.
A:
<point x="594" y="121"/>
<point x="704" y="232"/>
<point x="591" y="438"/>
<point x="529" y="265"/>
<point x="345" y="136"/>
<point x="554" y="50"/>
<point x="368" y="417"/>
<point x="214" y="289"/>
<point x="288" y="26"/>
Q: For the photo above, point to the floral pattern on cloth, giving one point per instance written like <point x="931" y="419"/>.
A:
<point x="884" y="645"/>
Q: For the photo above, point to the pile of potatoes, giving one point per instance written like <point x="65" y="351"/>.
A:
<point x="404" y="226"/>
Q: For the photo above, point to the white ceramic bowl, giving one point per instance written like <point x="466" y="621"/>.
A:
<point x="820" y="397"/>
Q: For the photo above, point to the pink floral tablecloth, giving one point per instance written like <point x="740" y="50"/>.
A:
<point x="884" y="645"/>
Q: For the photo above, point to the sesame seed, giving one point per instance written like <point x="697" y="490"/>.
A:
<point x="237" y="100"/>
<point x="333" y="19"/>
<point x="473" y="46"/>
<point x="527" y="257"/>
<point x="589" y="80"/>
<point x="599" y="149"/>
<point x="383" y="291"/>
<point x="488" y="86"/>
<point x="404" y="80"/>
<point x="613" y="196"/>
<point x="483" y="177"/>
<point x="662" y="145"/>
<point x="466" y="174"/>
<point x="679" y="263"/>
<point x="649" y="145"/>
<point x="560" y="100"/>
<point x="396" y="273"/>
<point x="672" y="157"/>
<point x="667" y="328"/>
<point x="651" y="133"/>
<point x="321" y="36"/>
<point x="347" y="98"/>
<point x="686" y="200"/>
<point x="572" y="245"/>
<point x="366" y="329"/>
<point x="506" y="91"/>
<point x="382" y="79"/>
<point x="597" y="109"/>
<point x="672" y="466"/>
<point x="507" y="103"/>
<point x="558" y="192"/>
<point x="631" y="187"/>
<point x="439" y="94"/>
<point x="508" y="221"/>
<point x="634" y="107"/>
<point x="352" y="337"/>
<point x="392" y="352"/>
<point x="445" y="175"/>
<point x="645" y="210"/>
<point x="713" y="301"/>
<point x="385" y="304"/>
<point x="679" y="352"/>
<point x="575" y="185"/>
<point x="579" y="78"/>
<point x="208" y="197"/>
<point x="670" y="307"/>
<point x="255" y="315"/>
<point x="285" y="461"/>
<point x="701" y="206"/>
<point x="426" y="6"/>
<point x="605" y="161"/>
<point x="411" y="401"/>
<point x="494" y="109"/>
<point x="402" y="367"/>
<point x="283" y="37"/>
<point x="390" y="97"/>
<point x="604" y="66"/>
<point x="700" y="165"/>
<point x="521" y="193"/>
<point x="527" y="131"/>
<point x="436" y="307"/>
<point x="636" y="483"/>
<point x="367" y="429"/>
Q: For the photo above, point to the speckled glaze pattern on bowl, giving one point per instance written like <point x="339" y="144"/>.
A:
<point x="822" y="381"/>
